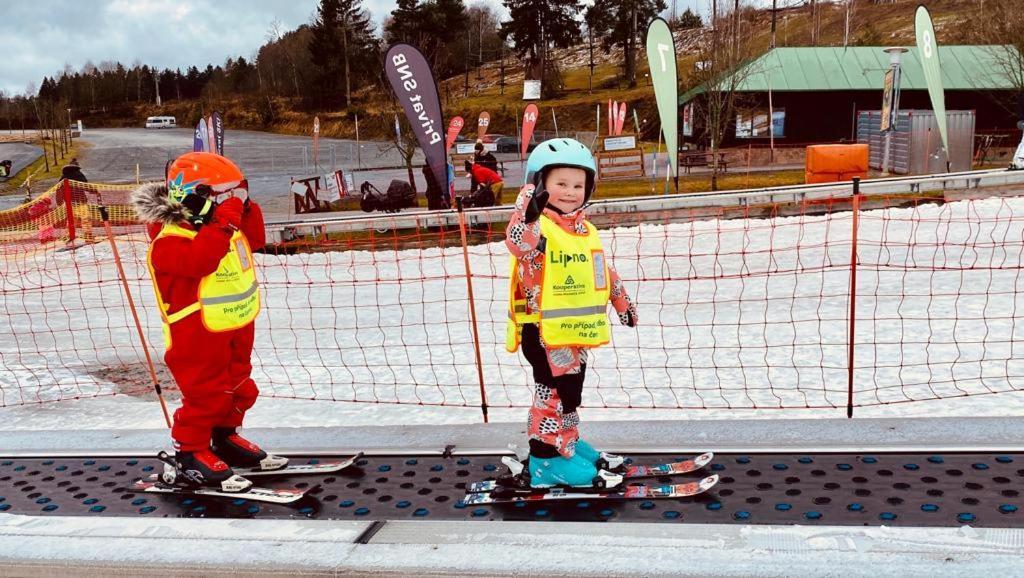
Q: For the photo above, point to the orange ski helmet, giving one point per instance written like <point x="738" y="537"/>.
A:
<point x="205" y="174"/>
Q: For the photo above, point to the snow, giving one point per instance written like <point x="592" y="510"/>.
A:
<point x="738" y="318"/>
<point x="413" y="547"/>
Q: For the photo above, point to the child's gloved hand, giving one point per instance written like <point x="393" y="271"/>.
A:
<point x="229" y="213"/>
<point x="538" y="201"/>
<point x="199" y="207"/>
<point x="629" y="317"/>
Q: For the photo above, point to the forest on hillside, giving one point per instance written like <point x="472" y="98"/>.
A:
<point x="333" y="62"/>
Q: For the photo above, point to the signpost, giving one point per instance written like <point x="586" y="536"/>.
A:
<point x="893" y="96"/>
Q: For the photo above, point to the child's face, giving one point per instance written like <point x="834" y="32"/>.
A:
<point x="567" y="187"/>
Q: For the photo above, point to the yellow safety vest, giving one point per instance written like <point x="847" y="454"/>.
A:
<point x="574" y="291"/>
<point x="229" y="298"/>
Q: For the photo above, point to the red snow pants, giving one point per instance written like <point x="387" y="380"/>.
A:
<point x="212" y="370"/>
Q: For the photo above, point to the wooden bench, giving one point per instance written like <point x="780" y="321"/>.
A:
<point x="689" y="160"/>
<point x="621" y="164"/>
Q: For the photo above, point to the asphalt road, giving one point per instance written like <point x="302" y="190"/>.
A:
<point x="270" y="161"/>
<point x="20" y="154"/>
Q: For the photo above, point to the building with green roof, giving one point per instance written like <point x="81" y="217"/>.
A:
<point x="817" y="91"/>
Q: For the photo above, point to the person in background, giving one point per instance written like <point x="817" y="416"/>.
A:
<point x="437" y="199"/>
<point x="73" y="172"/>
<point x="484" y="157"/>
<point x="488" y="185"/>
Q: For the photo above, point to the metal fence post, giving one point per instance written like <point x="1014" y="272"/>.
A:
<point x="472" y="307"/>
<point x="852" y="333"/>
<point x="69" y="210"/>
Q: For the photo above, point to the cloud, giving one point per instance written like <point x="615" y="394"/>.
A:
<point x="37" y="38"/>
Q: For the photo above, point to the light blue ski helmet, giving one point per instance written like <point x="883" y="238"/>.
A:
<point x="561" y="152"/>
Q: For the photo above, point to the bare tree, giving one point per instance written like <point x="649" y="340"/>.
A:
<point x="719" y="70"/>
<point x="406" y="145"/>
<point x="1002" y="27"/>
<point x="277" y="34"/>
<point x="999" y="24"/>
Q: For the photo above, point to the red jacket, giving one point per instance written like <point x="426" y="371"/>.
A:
<point x="484" y="175"/>
<point x="179" y="263"/>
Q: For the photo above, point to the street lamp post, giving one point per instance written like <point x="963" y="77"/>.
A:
<point x="71" y="134"/>
<point x="894" y="65"/>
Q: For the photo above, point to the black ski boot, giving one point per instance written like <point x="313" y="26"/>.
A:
<point x="239" y="452"/>
<point x="201" y="469"/>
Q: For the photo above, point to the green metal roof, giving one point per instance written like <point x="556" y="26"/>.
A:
<point x="864" y="67"/>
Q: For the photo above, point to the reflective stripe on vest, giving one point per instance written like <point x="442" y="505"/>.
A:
<point x="574" y="291"/>
<point x="229" y="298"/>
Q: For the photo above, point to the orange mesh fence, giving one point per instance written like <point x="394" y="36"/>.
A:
<point x="745" y="306"/>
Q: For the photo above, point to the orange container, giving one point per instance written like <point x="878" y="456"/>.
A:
<point x="837" y="160"/>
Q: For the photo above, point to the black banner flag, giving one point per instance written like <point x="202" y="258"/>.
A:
<point x="411" y="79"/>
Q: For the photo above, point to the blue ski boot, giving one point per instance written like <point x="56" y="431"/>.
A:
<point x="574" y="472"/>
<point x="601" y="460"/>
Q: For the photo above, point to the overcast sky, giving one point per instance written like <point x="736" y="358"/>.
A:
<point x="38" y="37"/>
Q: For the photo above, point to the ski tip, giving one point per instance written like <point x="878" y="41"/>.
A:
<point x="704" y="459"/>
<point x="142" y="484"/>
<point x="708" y="482"/>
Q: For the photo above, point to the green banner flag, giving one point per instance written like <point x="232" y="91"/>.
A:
<point x="928" y="52"/>
<point x="661" y="56"/>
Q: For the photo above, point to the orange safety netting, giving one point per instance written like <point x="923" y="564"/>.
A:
<point x="750" y="306"/>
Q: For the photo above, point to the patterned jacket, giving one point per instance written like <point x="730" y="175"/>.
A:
<point x="522" y="239"/>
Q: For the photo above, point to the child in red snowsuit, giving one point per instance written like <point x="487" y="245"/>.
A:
<point x="560" y="286"/>
<point x="203" y="274"/>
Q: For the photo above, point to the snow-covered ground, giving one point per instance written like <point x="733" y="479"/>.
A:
<point x="403" y="548"/>
<point x="738" y="319"/>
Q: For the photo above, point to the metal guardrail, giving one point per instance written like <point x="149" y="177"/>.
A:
<point x="913" y="185"/>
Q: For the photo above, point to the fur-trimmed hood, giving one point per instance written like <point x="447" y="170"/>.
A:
<point x="152" y="205"/>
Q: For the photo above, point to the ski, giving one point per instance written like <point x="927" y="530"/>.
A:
<point x="301" y="469"/>
<point x="669" y="468"/>
<point x="289" y="470"/>
<point x="631" y="472"/>
<point x="256" y="494"/>
<point x="631" y="492"/>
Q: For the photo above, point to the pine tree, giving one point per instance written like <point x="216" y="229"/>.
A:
<point x="405" y="24"/>
<point x="625" y="24"/>
<point x="342" y="36"/>
<point x="442" y="21"/>
<point x="325" y="46"/>
<point x="689" y="20"/>
<point x="534" y="25"/>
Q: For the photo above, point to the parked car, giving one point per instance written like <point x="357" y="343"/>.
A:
<point x="161" y="122"/>
<point x="510" y="144"/>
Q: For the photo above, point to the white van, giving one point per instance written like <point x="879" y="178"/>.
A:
<point x="161" y="122"/>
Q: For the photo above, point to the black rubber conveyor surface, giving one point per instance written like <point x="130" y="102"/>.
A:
<point x="946" y="489"/>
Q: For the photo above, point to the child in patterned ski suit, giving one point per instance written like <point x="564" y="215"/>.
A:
<point x="548" y="230"/>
